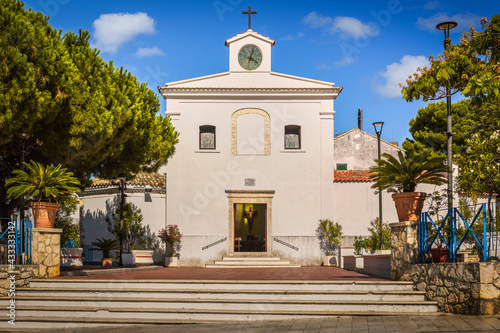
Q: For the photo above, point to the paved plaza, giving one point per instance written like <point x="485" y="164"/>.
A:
<point x="401" y="323"/>
<point x="368" y="324"/>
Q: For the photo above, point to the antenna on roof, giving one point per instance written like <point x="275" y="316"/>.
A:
<point x="360" y="119"/>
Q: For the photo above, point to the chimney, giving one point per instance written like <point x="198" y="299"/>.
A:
<point x="360" y="119"/>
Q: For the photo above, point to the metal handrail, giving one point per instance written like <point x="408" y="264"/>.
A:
<point x="17" y="238"/>
<point x="450" y="221"/>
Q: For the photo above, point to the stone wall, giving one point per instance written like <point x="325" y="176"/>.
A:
<point x="20" y="276"/>
<point x="465" y="288"/>
<point x="404" y="249"/>
<point x="45" y="256"/>
<point x="46" y="251"/>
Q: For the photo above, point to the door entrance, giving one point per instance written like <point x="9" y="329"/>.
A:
<point x="250" y="227"/>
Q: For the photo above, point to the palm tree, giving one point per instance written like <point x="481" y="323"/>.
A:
<point x="402" y="174"/>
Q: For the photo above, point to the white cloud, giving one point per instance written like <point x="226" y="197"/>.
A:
<point x="290" y="37"/>
<point x="345" y="61"/>
<point x="397" y="73"/>
<point x="148" y="52"/>
<point x="430" y="5"/>
<point x="113" y="30"/>
<point x="464" y="21"/>
<point x="344" y="26"/>
<point x="323" y="67"/>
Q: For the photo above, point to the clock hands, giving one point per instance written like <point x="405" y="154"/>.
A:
<point x="251" y="58"/>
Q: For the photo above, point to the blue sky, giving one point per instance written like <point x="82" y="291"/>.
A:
<point x="368" y="47"/>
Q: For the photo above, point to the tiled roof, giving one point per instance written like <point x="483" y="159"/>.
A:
<point x="140" y="179"/>
<point x="352" y="175"/>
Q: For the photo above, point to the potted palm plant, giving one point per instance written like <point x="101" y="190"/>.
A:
<point x="106" y="246"/>
<point x="44" y="187"/>
<point x="402" y="174"/>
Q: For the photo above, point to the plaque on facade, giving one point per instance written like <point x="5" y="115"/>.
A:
<point x="249" y="181"/>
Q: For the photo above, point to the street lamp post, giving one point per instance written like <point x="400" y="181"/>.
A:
<point x="378" y="129"/>
<point x="446" y="26"/>
<point x="23" y="151"/>
<point x="122" y="186"/>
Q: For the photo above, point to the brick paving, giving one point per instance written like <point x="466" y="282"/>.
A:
<point x="250" y="274"/>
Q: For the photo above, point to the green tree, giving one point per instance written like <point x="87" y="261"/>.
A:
<point x="470" y="67"/>
<point x="94" y="119"/>
<point x="126" y="225"/>
<point x="428" y="128"/>
<point x="70" y="230"/>
<point x="479" y="167"/>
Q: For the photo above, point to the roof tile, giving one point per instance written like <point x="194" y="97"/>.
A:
<point x="352" y="176"/>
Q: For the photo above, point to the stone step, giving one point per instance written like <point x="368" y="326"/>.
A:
<point x="35" y="323"/>
<point x="223" y="305"/>
<point x="205" y="312"/>
<point x="252" y="258"/>
<point x="328" y="295"/>
<point x="250" y="261"/>
<point x="256" y="265"/>
<point x="195" y="285"/>
<point x="62" y="303"/>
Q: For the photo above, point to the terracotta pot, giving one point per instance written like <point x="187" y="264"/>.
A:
<point x="409" y="205"/>
<point x="44" y="213"/>
<point x="107" y="262"/>
<point x="440" y="255"/>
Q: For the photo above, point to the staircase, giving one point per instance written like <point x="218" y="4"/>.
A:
<point x="250" y="262"/>
<point x="64" y="303"/>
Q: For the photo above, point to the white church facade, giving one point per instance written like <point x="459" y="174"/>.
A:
<point x="253" y="170"/>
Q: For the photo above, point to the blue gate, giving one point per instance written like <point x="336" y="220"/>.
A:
<point x="446" y="230"/>
<point x="15" y="241"/>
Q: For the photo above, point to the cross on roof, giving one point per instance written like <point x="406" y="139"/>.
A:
<point x="249" y="12"/>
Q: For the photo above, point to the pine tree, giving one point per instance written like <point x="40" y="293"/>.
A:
<point x="94" y="119"/>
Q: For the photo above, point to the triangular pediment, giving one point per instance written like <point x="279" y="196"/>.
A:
<point x="249" y="80"/>
<point x="247" y="34"/>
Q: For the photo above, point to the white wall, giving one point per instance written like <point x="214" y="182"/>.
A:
<point x="197" y="180"/>
<point x="98" y="206"/>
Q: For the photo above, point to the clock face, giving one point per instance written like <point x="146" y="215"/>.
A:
<point x="250" y="57"/>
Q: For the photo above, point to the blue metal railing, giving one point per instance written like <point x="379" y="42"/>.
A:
<point x="15" y="241"/>
<point x="70" y="244"/>
<point x="446" y="230"/>
<point x="88" y="254"/>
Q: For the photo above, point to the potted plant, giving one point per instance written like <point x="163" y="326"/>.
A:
<point x="171" y="236"/>
<point x="106" y="246"/>
<point x="144" y="256"/>
<point x="402" y="174"/>
<point x="330" y="235"/>
<point x="44" y="187"/>
<point x="71" y="252"/>
<point x="126" y="224"/>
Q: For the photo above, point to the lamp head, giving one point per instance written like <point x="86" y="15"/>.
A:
<point x="23" y="136"/>
<point x="446" y="25"/>
<point x="378" y="129"/>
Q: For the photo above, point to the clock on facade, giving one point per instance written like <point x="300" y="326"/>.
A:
<point x="250" y="57"/>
